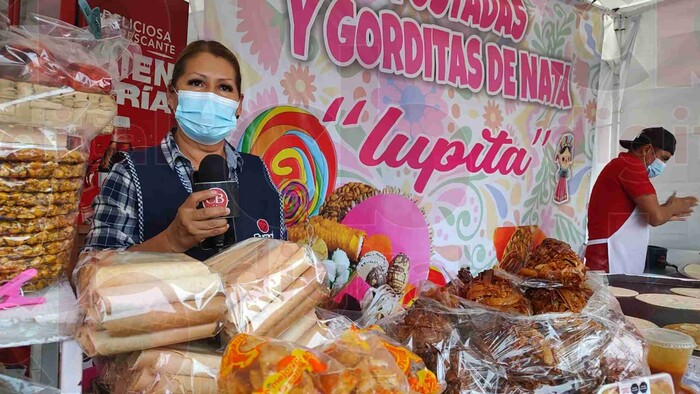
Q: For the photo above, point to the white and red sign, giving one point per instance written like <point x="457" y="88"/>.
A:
<point x="220" y="200"/>
<point x="159" y="27"/>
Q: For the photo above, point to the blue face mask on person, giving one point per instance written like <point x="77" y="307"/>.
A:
<point x="656" y="167"/>
<point x="205" y="117"/>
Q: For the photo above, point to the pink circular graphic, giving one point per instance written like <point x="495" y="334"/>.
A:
<point x="220" y="200"/>
<point x="403" y="222"/>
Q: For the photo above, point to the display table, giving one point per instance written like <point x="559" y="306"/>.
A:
<point x="49" y="329"/>
<point x="662" y="284"/>
<point x="656" y="284"/>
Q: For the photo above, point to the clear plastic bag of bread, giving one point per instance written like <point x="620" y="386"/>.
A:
<point x="469" y="345"/>
<point x="545" y="350"/>
<point x="351" y="345"/>
<point x="271" y="286"/>
<point x="184" y="368"/>
<point x="60" y="77"/>
<point x="258" y="364"/>
<point x="625" y="355"/>
<point x="56" y="94"/>
<point x="430" y="330"/>
<point x="136" y="300"/>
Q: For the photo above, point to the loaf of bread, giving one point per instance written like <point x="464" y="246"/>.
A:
<point x="269" y="284"/>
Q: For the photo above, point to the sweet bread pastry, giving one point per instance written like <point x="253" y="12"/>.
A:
<point x="40" y="170"/>
<point x="35" y="212"/>
<point x="10" y="266"/>
<point x="42" y="155"/>
<point x="25" y="251"/>
<point x="20" y="227"/>
<point x="55" y="235"/>
<point x="40" y="185"/>
<point x="38" y="199"/>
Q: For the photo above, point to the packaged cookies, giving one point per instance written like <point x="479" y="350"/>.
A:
<point x="56" y="94"/>
<point x="257" y="364"/>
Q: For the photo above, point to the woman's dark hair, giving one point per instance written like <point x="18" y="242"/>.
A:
<point x="213" y="47"/>
<point x="564" y="149"/>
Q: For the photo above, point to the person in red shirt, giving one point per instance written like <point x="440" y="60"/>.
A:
<point x="624" y="204"/>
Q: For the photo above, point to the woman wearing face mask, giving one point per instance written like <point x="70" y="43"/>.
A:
<point x="624" y="204"/>
<point x="146" y="202"/>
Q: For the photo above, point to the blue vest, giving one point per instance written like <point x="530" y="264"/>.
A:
<point x="162" y="193"/>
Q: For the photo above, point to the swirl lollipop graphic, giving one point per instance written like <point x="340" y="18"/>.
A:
<point x="300" y="155"/>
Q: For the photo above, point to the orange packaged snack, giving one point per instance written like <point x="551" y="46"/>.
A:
<point x="255" y="364"/>
<point x="379" y="364"/>
<point x="357" y="362"/>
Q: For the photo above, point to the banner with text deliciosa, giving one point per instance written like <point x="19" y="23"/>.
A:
<point x="445" y="119"/>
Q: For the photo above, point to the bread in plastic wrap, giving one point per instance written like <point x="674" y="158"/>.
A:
<point x="380" y="362"/>
<point x="178" y="369"/>
<point x="354" y="361"/>
<point x="473" y="348"/>
<point x="272" y="287"/>
<point x="56" y="93"/>
<point x="258" y="364"/>
<point x="137" y="300"/>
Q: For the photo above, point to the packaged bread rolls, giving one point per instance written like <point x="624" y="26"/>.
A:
<point x="180" y="369"/>
<point x="270" y="285"/>
<point x="133" y="301"/>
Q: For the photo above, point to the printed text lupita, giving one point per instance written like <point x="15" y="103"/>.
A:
<point x="444" y="156"/>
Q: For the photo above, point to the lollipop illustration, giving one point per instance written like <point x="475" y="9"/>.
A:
<point x="300" y="155"/>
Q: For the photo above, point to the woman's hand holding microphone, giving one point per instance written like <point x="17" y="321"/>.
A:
<point x="192" y="225"/>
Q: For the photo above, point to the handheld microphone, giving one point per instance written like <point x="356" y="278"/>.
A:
<point x="213" y="175"/>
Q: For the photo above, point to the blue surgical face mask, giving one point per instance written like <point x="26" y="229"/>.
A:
<point x="656" y="167"/>
<point x="205" y="117"/>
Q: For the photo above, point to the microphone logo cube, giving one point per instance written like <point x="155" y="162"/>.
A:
<point x="219" y="200"/>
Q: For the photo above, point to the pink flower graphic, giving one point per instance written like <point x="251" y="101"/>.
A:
<point x="541" y="7"/>
<point x="591" y="109"/>
<point x="262" y="100"/>
<point x="422" y="104"/>
<point x="492" y="116"/>
<point x="298" y="85"/>
<point x="510" y="106"/>
<point x="581" y="73"/>
<point x="547" y="220"/>
<point x="253" y="105"/>
<point x="264" y="37"/>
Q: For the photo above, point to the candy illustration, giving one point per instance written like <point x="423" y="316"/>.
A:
<point x="399" y="218"/>
<point x="300" y="155"/>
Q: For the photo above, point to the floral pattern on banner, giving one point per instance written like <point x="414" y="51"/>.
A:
<point x="462" y="208"/>
<point x="422" y="103"/>
<point x="265" y="40"/>
<point x="298" y="86"/>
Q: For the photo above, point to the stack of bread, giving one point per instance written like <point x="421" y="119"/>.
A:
<point x="39" y="197"/>
<point x="41" y="106"/>
<point x="53" y="99"/>
<point x="133" y="301"/>
<point x="273" y="288"/>
<point x="185" y="368"/>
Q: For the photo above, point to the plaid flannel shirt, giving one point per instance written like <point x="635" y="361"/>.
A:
<point x="116" y="221"/>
